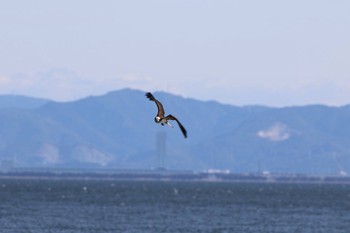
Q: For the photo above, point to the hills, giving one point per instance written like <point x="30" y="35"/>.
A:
<point x="117" y="130"/>
<point x="18" y="101"/>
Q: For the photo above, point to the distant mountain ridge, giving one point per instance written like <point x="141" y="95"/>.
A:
<point x="117" y="130"/>
<point x="19" y="101"/>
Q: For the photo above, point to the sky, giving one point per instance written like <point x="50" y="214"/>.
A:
<point x="271" y="52"/>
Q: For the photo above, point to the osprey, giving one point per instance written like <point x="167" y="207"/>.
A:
<point x="160" y="115"/>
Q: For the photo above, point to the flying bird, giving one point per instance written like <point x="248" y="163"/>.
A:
<point x="160" y="115"/>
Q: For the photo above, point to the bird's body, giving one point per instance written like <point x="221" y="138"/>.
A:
<point x="161" y="118"/>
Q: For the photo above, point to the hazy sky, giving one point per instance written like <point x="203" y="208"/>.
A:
<point x="275" y="53"/>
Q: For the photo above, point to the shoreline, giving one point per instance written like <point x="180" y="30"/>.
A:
<point x="174" y="176"/>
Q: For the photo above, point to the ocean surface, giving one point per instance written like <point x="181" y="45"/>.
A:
<point x="163" y="206"/>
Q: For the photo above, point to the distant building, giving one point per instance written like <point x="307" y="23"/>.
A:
<point x="161" y="138"/>
<point x="218" y="171"/>
<point x="343" y="173"/>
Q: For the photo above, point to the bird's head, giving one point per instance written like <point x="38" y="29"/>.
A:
<point x="157" y="119"/>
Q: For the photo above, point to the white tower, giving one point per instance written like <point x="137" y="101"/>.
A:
<point x="161" y="149"/>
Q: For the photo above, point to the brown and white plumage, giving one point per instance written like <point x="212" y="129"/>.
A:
<point x="160" y="115"/>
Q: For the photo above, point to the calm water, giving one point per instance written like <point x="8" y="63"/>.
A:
<point x="115" y="206"/>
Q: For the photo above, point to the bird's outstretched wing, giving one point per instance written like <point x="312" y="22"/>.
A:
<point x="183" y="130"/>
<point x="159" y="104"/>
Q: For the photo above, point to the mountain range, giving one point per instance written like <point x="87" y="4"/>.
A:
<point x="117" y="131"/>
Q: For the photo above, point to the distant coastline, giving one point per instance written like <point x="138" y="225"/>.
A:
<point x="172" y="175"/>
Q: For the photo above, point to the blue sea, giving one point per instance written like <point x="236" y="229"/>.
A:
<point x="72" y="206"/>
